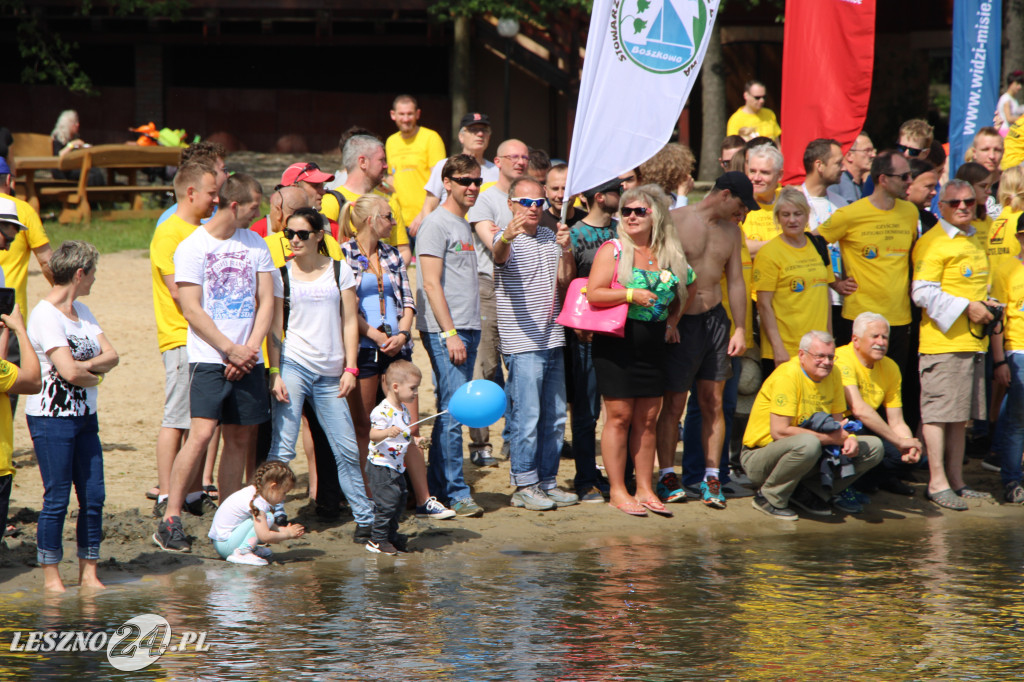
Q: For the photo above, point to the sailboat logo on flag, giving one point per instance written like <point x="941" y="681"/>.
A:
<point x="661" y="36"/>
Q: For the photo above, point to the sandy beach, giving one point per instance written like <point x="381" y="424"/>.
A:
<point x="130" y="408"/>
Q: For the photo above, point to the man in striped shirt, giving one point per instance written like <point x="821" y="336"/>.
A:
<point x="527" y="258"/>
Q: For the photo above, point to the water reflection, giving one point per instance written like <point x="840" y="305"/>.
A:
<point x="936" y="603"/>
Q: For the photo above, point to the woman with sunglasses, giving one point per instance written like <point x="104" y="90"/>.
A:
<point x="312" y="349"/>
<point x="647" y="266"/>
<point x="791" y="280"/>
<point x="386" y="311"/>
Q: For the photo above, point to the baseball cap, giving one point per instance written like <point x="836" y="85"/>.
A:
<point x="739" y="184"/>
<point x="304" y="172"/>
<point x="4" y="168"/>
<point x="9" y="213"/>
<point x="475" y="117"/>
<point x="605" y="187"/>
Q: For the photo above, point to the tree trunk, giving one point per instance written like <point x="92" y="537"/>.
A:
<point x="712" y="77"/>
<point x="460" y="76"/>
<point x="1013" y="45"/>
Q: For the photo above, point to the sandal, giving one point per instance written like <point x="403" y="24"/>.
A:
<point x="212" y="491"/>
<point x="947" y="499"/>
<point x="11" y="531"/>
<point x="633" y="508"/>
<point x="972" y="494"/>
<point x="656" y="507"/>
<point x="153" y="493"/>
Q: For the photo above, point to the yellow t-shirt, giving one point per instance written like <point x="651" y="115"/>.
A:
<point x="329" y="207"/>
<point x="1002" y="243"/>
<point x="1008" y="289"/>
<point x="764" y="120"/>
<point x="789" y="392"/>
<point x="879" y="386"/>
<point x="760" y="225"/>
<point x="799" y="279"/>
<point x="410" y="162"/>
<point x="15" y="259"/>
<point x="960" y="266"/>
<point x="8" y="375"/>
<point x="171" y="327"/>
<point x="875" y="246"/>
<point x="1013" y="145"/>
<point x="748" y="266"/>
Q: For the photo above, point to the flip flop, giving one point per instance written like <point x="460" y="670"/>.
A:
<point x="153" y="493"/>
<point x="632" y="508"/>
<point x="212" y="491"/>
<point x="11" y="531"/>
<point x="656" y="507"/>
<point x="947" y="499"/>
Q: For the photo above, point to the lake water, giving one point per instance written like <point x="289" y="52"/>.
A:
<point x="934" y="603"/>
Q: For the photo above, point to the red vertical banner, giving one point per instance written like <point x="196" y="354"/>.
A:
<point x="828" y="55"/>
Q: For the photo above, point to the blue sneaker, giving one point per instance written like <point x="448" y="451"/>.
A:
<point x="711" y="493"/>
<point x="846" y="501"/>
<point x="669" y="490"/>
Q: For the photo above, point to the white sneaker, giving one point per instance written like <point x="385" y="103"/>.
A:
<point x="244" y="555"/>
<point x="434" y="510"/>
<point x="263" y="552"/>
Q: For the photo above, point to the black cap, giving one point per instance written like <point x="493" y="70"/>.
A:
<point x="605" y="187"/>
<point x="473" y="118"/>
<point x="739" y="184"/>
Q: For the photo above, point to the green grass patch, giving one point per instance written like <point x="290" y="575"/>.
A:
<point x="108" y="236"/>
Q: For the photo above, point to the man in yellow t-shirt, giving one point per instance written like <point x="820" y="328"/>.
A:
<point x="871" y="381"/>
<point x="31" y="240"/>
<point x="764" y="170"/>
<point x="411" y="153"/>
<point x="195" y="188"/>
<point x="951" y="279"/>
<point x="366" y="164"/>
<point x="1008" y="361"/>
<point x="779" y="455"/>
<point x="753" y="113"/>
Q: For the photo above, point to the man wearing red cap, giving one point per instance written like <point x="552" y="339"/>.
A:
<point x="310" y="179"/>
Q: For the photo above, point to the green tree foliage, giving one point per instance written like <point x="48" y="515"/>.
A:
<point x="533" y="10"/>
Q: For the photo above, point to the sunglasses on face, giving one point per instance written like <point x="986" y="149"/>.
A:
<point x="390" y="217"/>
<point x="960" y="203"/>
<point x="303" y="235"/>
<point x="466" y="182"/>
<point x="904" y="149"/>
<point x="757" y="97"/>
<point x="640" y="211"/>
<point x="905" y="177"/>
<point x="527" y="203"/>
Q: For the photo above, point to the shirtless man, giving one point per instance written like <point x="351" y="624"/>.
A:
<point x="712" y="241"/>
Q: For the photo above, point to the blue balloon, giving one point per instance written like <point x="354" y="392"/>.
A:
<point x="478" y="403"/>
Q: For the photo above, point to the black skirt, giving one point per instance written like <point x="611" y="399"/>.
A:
<point x="633" y="366"/>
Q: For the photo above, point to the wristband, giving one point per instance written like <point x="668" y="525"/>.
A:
<point x="503" y="240"/>
<point x="100" y="379"/>
<point x="449" y="333"/>
<point x="998" y="364"/>
<point x="274" y="370"/>
<point x="629" y="295"/>
<point x="406" y="333"/>
<point x="852" y="435"/>
<point x="354" y="371"/>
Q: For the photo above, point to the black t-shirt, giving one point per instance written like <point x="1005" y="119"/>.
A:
<point x="551" y="221"/>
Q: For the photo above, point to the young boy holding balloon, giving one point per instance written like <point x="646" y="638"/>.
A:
<point x="385" y="465"/>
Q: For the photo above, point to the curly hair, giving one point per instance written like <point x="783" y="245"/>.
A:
<point x="669" y="168"/>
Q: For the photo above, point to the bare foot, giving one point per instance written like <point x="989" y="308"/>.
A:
<point x="92" y="583"/>
<point x="54" y="585"/>
<point x="87" y="575"/>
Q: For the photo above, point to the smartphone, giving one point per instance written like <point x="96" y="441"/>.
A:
<point x="6" y="300"/>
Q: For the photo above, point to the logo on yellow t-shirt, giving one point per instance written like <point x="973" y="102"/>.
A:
<point x="1019" y="304"/>
<point x="996" y="236"/>
<point x="780" y="399"/>
<point x="965" y="270"/>
<point x="797" y="284"/>
<point x="870" y="252"/>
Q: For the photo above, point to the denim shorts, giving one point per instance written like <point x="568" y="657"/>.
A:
<point x="373" y="362"/>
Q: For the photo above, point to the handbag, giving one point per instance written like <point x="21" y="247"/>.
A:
<point x="577" y="312"/>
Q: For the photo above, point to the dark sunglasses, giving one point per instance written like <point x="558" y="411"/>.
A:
<point x="466" y="182"/>
<point x="958" y="203"/>
<point x="638" y="210"/>
<point x="303" y="235"/>
<point x="905" y="177"/>
<point x="902" y="148"/>
<point x="527" y="203"/>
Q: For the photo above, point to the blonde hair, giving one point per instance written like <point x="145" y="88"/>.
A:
<point x="918" y="129"/>
<point x="1011" y="188"/>
<point x="277" y="473"/>
<point x="355" y="214"/>
<point x="665" y="244"/>
<point x="62" y="130"/>
<point x="794" y="197"/>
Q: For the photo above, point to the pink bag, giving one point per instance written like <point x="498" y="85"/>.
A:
<point x="577" y="312"/>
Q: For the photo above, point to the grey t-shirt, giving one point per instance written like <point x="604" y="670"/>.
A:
<point x="450" y="238"/>
<point x="491" y="205"/>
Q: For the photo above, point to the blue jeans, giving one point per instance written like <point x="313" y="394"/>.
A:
<point x="69" y="452"/>
<point x="1009" y="438"/>
<point x="536" y="388"/>
<point x="336" y="421"/>
<point x="586" y="406"/>
<point x="444" y="471"/>
<point x="693" y="445"/>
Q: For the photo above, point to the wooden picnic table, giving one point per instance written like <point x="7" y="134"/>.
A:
<point x="126" y="159"/>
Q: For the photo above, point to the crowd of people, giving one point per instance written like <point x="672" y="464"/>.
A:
<point x="882" y="299"/>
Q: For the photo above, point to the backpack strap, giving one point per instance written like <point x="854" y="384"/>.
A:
<point x="287" y="301"/>
<point x="821" y="246"/>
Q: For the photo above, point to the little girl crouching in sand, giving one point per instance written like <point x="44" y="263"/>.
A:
<point x="246" y="518"/>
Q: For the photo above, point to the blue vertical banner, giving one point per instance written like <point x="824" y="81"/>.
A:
<point x="977" y="54"/>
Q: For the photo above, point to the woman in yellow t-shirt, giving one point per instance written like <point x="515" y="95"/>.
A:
<point x="1004" y="228"/>
<point x="792" y="280"/>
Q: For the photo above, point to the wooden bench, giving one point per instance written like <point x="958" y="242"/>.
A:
<point x="114" y="158"/>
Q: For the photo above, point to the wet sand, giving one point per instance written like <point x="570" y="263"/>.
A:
<point x="130" y="409"/>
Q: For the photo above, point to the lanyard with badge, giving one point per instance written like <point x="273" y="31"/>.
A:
<point x="384" y="327"/>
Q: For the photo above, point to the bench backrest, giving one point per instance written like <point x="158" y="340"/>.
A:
<point x="29" y="144"/>
<point x="120" y="156"/>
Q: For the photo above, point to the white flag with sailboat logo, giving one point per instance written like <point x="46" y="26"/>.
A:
<point x="642" y="59"/>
